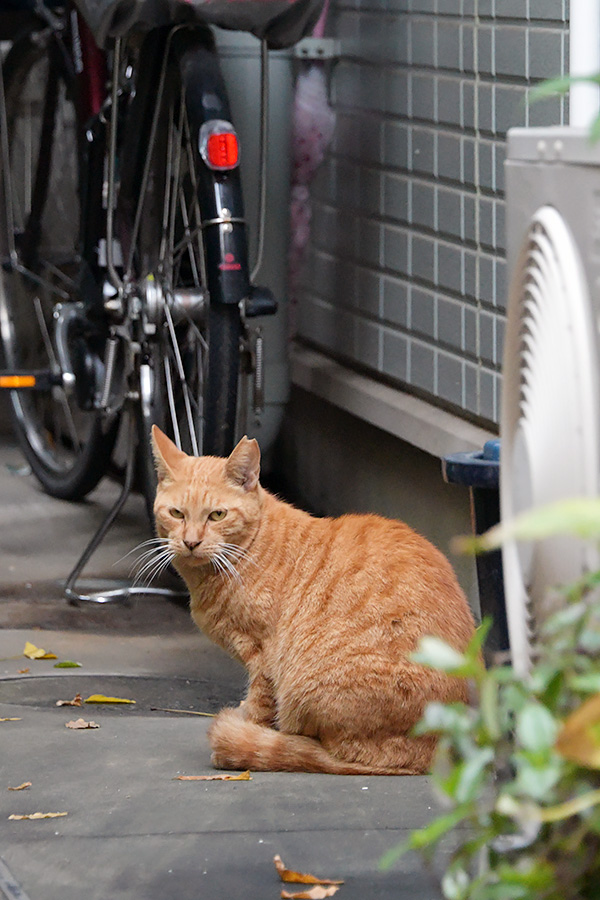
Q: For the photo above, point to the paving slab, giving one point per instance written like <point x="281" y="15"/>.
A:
<point x="133" y="831"/>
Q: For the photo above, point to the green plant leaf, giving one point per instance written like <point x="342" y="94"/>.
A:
<point x="488" y="703"/>
<point x="432" y="833"/>
<point x="553" y="86"/>
<point x="437" y="654"/>
<point x="550" y="88"/>
<point x="536" y="777"/>
<point x="535" y="874"/>
<point x="586" y="683"/>
<point x="445" y="718"/>
<point x="505" y="892"/>
<point x="424" y="837"/>
<point x="471" y="775"/>
<point x="67" y="664"/>
<point x="570" y="615"/>
<point x="477" y="641"/>
<point x="455" y="883"/>
<point x="579" y="516"/>
<point x="536" y="727"/>
<point x="589" y="639"/>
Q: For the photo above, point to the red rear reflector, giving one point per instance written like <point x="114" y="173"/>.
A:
<point x="222" y="150"/>
<point x="218" y="145"/>
<point x="17" y="381"/>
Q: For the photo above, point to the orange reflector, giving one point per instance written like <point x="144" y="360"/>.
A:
<point x="17" y="381"/>
<point x="222" y="150"/>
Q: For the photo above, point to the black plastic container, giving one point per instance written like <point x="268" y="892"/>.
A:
<point x="480" y="472"/>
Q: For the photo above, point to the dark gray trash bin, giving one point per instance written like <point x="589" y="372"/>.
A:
<point x="480" y="472"/>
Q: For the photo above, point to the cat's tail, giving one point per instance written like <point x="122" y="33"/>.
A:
<point x="239" y="744"/>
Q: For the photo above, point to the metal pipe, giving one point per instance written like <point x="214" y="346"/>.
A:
<point x="584" y="60"/>
<point x="263" y="154"/>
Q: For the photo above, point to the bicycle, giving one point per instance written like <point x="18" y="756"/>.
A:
<point x="125" y="277"/>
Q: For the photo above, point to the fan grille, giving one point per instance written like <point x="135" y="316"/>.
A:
<point x="549" y="424"/>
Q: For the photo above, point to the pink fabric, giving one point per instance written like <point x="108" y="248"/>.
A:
<point x="312" y="131"/>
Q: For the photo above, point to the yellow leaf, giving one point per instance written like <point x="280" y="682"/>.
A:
<point x="11" y="719"/>
<point x="100" y="698"/>
<point x="579" y="738"/>
<point x="21" y="787"/>
<point x="288" y="875"/>
<point x="76" y="724"/>
<point x="33" y="652"/>
<point x="318" y="892"/>
<point x="243" y="776"/>
<point x="39" y="815"/>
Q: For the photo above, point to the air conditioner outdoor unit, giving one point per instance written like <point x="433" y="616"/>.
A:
<point x="550" y="420"/>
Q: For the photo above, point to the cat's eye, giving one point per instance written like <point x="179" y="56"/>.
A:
<point x="176" y="513"/>
<point x="217" y="514"/>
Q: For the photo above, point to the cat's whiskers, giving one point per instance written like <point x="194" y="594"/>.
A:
<point x="151" y="543"/>
<point x="154" y="567"/>
<point x="223" y="565"/>
<point x="236" y="553"/>
<point x="153" y="561"/>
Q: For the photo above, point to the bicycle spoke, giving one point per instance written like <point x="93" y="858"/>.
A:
<point x="184" y="385"/>
<point x="147" y="169"/>
<point x="44" y="332"/>
<point x="175" y="183"/>
<point x="171" y="400"/>
<point x="197" y="215"/>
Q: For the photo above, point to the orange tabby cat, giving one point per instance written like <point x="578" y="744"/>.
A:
<point x="322" y="612"/>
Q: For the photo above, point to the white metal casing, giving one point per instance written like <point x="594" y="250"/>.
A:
<point x="550" y="423"/>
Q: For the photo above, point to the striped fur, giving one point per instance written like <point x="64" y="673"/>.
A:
<point x="322" y="612"/>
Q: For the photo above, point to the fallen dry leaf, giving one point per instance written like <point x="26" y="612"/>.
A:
<point x="318" y="892"/>
<point x="11" y="719"/>
<point x="33" y="652"/>
<point x="243" y="776"/>
<point x="579" y="738"/>
<point x="289" y="876"/>
<point x="80" y="723"/>
<point x="39" y="815"/>
<point x="76" y="701"/>
<point x="23" y="671"/>
<point x="100" y="698"/>
<point x="21" y="787"/>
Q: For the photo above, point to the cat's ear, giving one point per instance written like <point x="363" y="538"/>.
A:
<point x="167" y="455"/>
<point x="243" y="465"/>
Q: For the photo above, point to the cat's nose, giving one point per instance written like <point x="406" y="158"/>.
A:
<point x="191" y="545"/>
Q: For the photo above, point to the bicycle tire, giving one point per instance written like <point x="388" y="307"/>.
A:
<point x="67" y="446"/>
<point x="204" y="402"/>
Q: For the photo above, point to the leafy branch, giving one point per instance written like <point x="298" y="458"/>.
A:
<point x="519" y="770"/>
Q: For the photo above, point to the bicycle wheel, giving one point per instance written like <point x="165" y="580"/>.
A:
<point x="65" y="441"/>
<point x="189" y="372"/>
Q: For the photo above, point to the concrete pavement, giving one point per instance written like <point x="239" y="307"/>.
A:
<point x="133" y="832"/>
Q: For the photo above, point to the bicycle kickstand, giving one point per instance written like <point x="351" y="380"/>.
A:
<point x="121" y="593"/>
